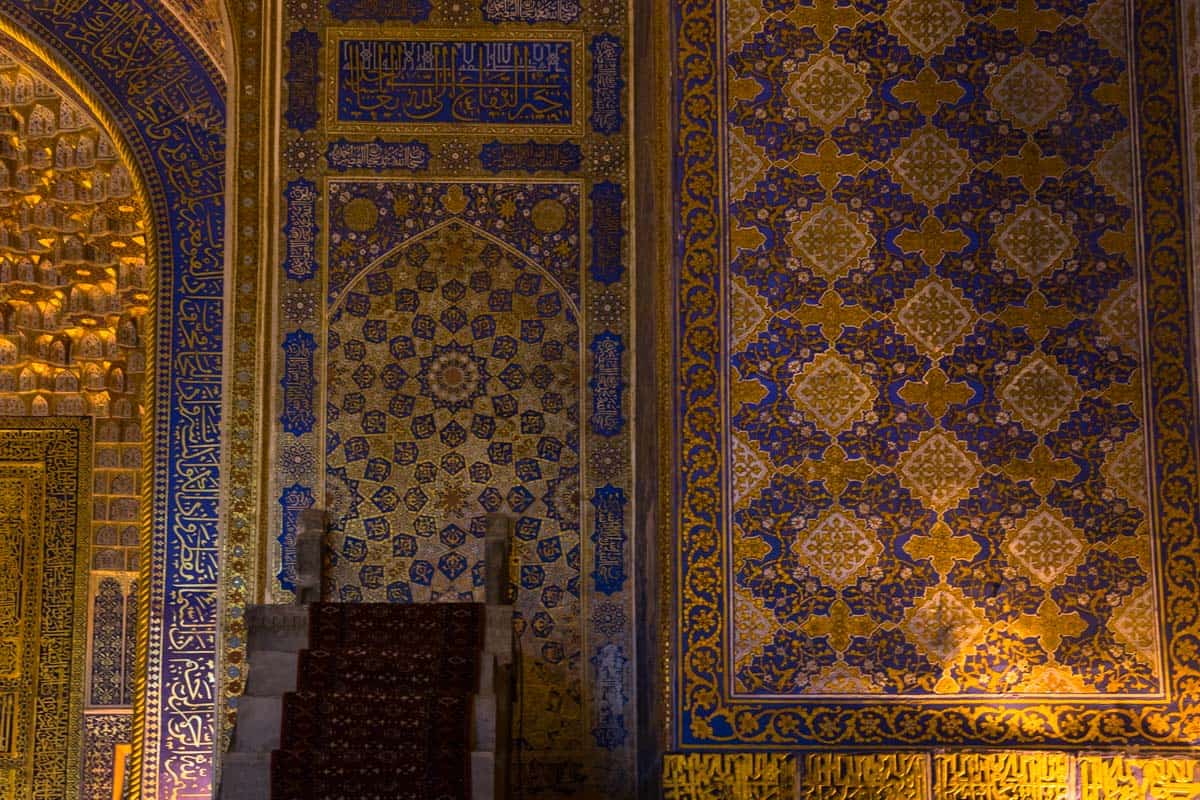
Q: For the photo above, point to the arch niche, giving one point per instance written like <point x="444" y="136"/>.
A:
<point x="161" y="100"/>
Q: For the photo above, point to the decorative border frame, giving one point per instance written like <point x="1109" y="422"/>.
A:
<point x="249" y="255"/>
<point x="162" y="102"/>
<point x="701" y="714"/>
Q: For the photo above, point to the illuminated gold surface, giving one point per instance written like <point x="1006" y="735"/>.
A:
<point x="736" y="776"/>
<point x="153" y="255"/>
<point x="1030" y="776"/>
<point x="1121" y="778"/>
<point x="870" y="776"/>
<point x="80" y="206"/>
<point x="45" y="473"/>
<point x="992" y="775"/>
<point x="74" y="289"/>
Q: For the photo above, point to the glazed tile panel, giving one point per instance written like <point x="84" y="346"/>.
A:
<point x="998" y="456"/>
<point x="941" y="424"/>
<point x="453" y="393"/>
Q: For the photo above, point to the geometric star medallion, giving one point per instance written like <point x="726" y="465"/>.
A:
<point x="837" y="546"/>
<point x="939" y="469"/>
<point x="935" y="316"/>
<point x="1125" y="470"/>
<point x="830" y="240"/>
<point x="927" y="24"/>
<point x="943" y="625"/>
<point x="827" y="90"/>
<point x="930" y="165"/>
<point x="831" y="391"/>
<point x="1120" y="317"/>
<point x="1115" y="168"/>
<point x="1035" y="240"/>
<point x="1107" y="21"/>
<point x="1027" y="93"/>
<point x="1135" y="623"/>
<point x="1039" y="392"/>
<point x="1045" y="546"/>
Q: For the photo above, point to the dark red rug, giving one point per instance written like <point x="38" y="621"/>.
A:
<point x="382" y="709"/>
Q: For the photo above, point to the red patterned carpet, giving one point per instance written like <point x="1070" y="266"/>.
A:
<point x="382" y="708"/>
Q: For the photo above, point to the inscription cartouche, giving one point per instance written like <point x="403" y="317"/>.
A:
<point x="979" y="776"/>
<point x="736" y="776"/>
<point x="440" y="81"/>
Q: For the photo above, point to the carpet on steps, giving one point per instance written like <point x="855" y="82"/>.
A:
<point x="382" y="708"/>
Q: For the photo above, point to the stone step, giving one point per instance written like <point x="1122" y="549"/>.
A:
<point x="498" y="632"/>
<point x="245" y="776"/>
<point x="272" y="672"/>
<point x="484" y="717"/>
<point x="258" y="722"/>
<point x="483" y="776"/>
<point x="277" y="627"/>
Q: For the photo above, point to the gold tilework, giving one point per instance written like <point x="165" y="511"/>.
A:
<point x="1134" y="778"/>
<point x="44" y="471"/>
<point x="867" y="776"/>
<point x="74" y="288"/>
<point x="962" y="775"/>
<point x="503" y="379"/>
<point x="1030" y="776"/>
<point x="738" y="776"/>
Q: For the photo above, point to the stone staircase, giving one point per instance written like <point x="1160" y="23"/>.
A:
<point x="277" y="634"/>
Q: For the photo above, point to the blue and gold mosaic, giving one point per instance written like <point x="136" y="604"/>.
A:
<point x="452" y="370"/>
<point x="956" y="455"/>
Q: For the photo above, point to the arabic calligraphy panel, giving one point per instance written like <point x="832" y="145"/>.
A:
<point x="438" y="80"/>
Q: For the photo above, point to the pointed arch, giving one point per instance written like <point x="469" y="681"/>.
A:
<point x="161" y="100"/>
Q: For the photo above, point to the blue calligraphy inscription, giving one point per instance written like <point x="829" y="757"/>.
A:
<point x="609" y="691"/>
<point x="295" y="498"/>
<point x="302" y="80"/>
<point x="298" y="382"/>
<point x="380" y="10"/>
<point x="531" y="156"/>
<point x="609" y="539"/>
<point x="377" y="155"/>
<point x="530" y="11"/>
<point x="449" y="82"/>
<point x="300" y="230"/>
<point x="606" y="83"/>
<point x="606" y="384"/>
<point x="607" y="232"/>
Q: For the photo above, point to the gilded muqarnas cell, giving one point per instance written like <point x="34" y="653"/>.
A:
<point x="108" y="42"/>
